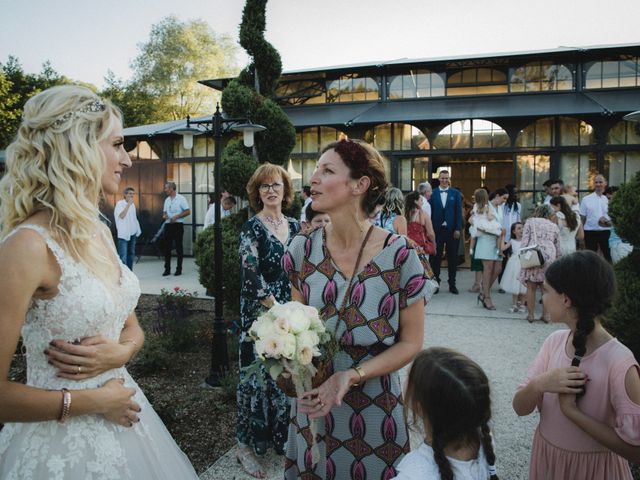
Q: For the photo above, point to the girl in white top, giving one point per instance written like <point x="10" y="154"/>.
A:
<point x="569" y="224"/>
<point x="449" y="394"/>
<point x="510" y="282"/>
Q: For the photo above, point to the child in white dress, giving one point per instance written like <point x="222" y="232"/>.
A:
<point x="448" y="394"/>
<point x="510" y="282"/>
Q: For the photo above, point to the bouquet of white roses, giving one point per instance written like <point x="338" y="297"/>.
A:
<point x="288" y="337"/>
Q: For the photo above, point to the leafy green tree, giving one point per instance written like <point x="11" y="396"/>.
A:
<point x="138" y="106"/>
<point x="170" y="63"/>
<point x="8" y="110"/>
<point x="16" y="87"/>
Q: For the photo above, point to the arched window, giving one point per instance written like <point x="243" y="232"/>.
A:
<point x="416" y="84"/>
<point x="575" y="132"/>
<point x="476" y="133"/>
<point x="352" y="88"/>
<point x="477" y="81"/>
<point x="614" y="73"/>
<point x="397" y="136"/>
<point x="541" y="77"/>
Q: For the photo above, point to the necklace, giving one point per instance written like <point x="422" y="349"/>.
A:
<point x="333" y="345"/>
<point x="273" y="221"/>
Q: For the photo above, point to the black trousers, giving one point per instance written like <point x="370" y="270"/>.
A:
<point x="173" y="233"/>
<point x="445" y="237"/>
<point x="598" y="238"/>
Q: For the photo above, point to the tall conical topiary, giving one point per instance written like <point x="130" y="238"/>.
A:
<point x="623" y="321"/>
<point x="248" y="95"/>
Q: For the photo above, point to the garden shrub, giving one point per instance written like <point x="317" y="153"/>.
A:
<point x="204" y="254"/>
<point x="622" y="320"/>
<point x="153" y="357"/>
<point x="173" y="323"/>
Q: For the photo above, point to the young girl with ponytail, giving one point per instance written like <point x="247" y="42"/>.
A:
<point x="585" y="384"/>
<point x="449" y="394"/>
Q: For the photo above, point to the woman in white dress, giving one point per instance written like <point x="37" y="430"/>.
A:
<point x="80" y="414"/>
<point x="569" y="224"/>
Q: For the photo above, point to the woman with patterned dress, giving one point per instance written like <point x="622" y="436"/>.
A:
<point x="80" y="415"/>
<point x="263" y="409"/>
<point x="541" y="231"/>
<point x="369" y="286"/>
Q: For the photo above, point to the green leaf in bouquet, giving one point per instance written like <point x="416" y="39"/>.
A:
<point x="275" y="370"/>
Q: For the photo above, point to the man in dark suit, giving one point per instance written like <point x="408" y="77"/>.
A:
<point x="446" y="216"/>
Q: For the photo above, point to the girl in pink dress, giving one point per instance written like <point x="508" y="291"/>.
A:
<point x="585" y="384"/>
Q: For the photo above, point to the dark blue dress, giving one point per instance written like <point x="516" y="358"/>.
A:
<point x="263" y="410"/>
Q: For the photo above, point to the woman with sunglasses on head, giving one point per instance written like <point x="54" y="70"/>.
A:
<point x="369" y="286"/>
<point x="263" y="409"/>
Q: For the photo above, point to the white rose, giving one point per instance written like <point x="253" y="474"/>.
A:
<point x="281" y="325"/>
<point x="298" y="320"/>
<point x="273" y="346"/>
<point x="312" y="312"/>
<point x="305" y="355"/>
<point x="288" y="346"/>
<point x="308" y="338"/>
<point x="278" y="309"/>
<point x="264" y="328"/>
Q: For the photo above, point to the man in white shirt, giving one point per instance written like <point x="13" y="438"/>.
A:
<point x="305" y="194"/>
<point x="594" y="211"/>
<point x="173" y="213"/>
<point x="127" y="227"/>
<point x="426" y="191"/>
<point x="228" y="203"/>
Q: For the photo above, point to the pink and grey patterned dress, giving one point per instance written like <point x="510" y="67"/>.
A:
<point x="366" y="437"/>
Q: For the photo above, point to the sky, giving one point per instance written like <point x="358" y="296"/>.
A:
<point x="84" y="39"/>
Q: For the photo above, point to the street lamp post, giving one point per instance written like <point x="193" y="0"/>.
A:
<point x="217" y="126"/>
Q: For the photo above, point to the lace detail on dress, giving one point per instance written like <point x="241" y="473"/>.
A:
<point x="88" y="446"/>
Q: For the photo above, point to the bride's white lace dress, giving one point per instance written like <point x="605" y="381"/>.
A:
<point x="87" y="447"/>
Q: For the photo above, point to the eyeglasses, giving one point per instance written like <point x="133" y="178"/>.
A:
<point x="276" y="187"/>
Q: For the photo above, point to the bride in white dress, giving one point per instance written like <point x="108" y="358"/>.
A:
<point x="80" y="415"/>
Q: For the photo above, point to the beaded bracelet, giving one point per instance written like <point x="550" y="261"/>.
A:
<point x="66" y="405"/>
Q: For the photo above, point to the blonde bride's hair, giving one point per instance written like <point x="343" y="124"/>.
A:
<point x="55" y="164"/>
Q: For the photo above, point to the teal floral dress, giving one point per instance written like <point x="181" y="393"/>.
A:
<point x="366" y="436"/>
<point x="262" y="407"/>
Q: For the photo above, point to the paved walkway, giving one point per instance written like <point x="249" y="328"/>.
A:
<point x="502" y="343"/>
<point x="149" y="271"/>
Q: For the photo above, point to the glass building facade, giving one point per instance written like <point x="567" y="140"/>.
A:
<point x="509" y="118"/>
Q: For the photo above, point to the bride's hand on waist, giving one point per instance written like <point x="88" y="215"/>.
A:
<point x="88" y="358"/>
<point x="117" y="404"/>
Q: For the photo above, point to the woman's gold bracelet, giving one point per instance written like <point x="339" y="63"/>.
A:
<point x="360" y="373"/>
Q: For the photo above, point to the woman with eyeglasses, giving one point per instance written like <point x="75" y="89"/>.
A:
<point x="263" y="409"/>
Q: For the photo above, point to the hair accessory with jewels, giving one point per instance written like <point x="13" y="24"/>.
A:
<point x="93" y="107"/>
